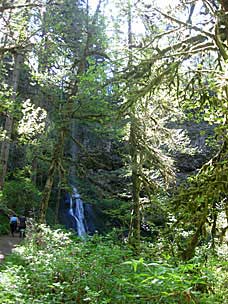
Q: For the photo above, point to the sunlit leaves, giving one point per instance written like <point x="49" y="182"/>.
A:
<point x="33" y="121"/>
<point x="54" y="267"/>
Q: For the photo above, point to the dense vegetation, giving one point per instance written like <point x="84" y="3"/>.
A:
<point x="127" y="101"/>
<point x="56" y="267"/>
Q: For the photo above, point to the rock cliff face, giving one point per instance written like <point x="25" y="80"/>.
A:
<point x="113" y="181"/>
<point x="188" y="158"/>
<point x="198" y="151"/>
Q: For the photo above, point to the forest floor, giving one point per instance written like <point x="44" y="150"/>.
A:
<point x="7" y="244"/>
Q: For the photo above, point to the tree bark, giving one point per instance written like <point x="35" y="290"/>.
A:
<point x="47" y="191"/>
<point x="134" y="234"/>
<point x="55" y="164"/>
<point x="224" y="5"/>
<point x="74" y="150"/>
<point x="189" y="252"/>
<point x="58" y="199"/>
<point x="34" y="170"/>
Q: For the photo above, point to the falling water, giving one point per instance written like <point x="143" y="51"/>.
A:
<point x="76" y="210"/>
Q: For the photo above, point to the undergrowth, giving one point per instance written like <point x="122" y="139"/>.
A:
<point x="53" y="267"/>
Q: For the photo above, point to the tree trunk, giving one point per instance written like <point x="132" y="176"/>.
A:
<point x="224" y="5"/>
<point x="58" y="199"/>
<point x="55" y="164"/>
<point x="47" y="191"/>
<point x="62" y="179"/>
<point x="189" y="252"/>
<point x="134" y="235"/>
<point x="4" y="156"/>
<point x="74" y="149"/>
<point x="134" y="231"/>
<point x="34" y="170"/>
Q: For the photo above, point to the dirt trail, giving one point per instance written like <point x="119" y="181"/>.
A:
<point x="7" y="243"/>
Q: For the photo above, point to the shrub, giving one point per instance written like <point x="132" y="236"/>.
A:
<point x="54" y="266"/>
<point x="4" y="224"/>
<point x="20" y="194"/>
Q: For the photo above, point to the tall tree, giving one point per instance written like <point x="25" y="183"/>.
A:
<point x="8" y="127"/>
<point x="81" y="43"/>
<point x="201" y="85"/>
<point x="14" y="37"/>
<point x="145" y="109"/>
<point x="136" y="165"/>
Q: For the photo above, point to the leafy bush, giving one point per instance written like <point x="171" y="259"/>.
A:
<point x="57" y="267"/>
<point x="4" y="224"/>
<point x="20" y="194"/>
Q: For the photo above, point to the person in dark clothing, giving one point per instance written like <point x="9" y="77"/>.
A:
<point x="22" y="225"/>
<point x="13" y="224"/>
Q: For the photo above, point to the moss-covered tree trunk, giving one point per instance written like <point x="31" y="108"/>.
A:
<point x="58" y="199"/>
<point x="55" y="164"/>
<point x="134" y="234"/>
<point x="47" y="191"/>
<point x="189" y="252"/>
<point x="134" y="231"/>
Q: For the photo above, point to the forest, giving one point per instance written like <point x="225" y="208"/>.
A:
<point x="114" y="146"/>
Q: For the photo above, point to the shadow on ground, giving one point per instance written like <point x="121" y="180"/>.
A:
<point x="7" y="244"/>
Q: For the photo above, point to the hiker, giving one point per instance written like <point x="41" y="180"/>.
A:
<point x="13" y="224"/>
<point x="22" y="225"/>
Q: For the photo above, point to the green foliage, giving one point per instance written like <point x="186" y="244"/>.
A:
<point x="117" y="213"/>
<point x="4" y="224"/>
<point x="56" y="267"/>
<point x="20" y="194"/>
<point x="32" y="123"/>
<point x="200" y="204"/>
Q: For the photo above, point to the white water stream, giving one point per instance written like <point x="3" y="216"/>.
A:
<point x="76" y="210"/>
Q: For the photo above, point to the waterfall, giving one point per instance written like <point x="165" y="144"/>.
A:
<point x="77" y="215"/>
<point x="76" y="210"/>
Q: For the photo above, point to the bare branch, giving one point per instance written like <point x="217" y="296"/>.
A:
<point x="96" y="12"/>
<point x="12" y="7"/>
<point x="188" y="25"/>
<point x="14" y="48"/>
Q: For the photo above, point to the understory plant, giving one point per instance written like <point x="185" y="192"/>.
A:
<point x="54" y="266"/>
